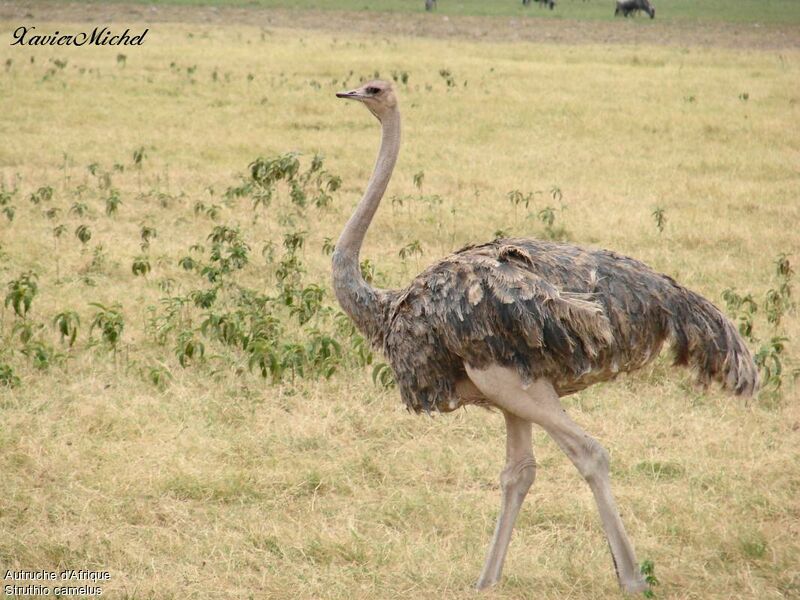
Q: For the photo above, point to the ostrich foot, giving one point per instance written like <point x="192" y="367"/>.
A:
<point x="635" y="586"/>
<point x="484" y="583"/>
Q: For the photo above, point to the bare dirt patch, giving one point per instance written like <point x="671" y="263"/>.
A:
<point x="494" y="29"/>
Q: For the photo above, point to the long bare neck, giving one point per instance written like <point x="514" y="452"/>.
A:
<point x="359" y="300"/>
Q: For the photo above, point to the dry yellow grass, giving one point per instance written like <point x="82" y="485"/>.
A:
<point x="225" y="486"/>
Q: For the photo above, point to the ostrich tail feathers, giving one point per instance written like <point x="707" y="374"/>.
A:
<point x="703" y="338"/>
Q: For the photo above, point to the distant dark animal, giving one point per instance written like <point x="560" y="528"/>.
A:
<point x="430" y="5"/>
<point x="542" y="3"/>
<point x="515" y="324"/>
<point x="630" y="7"/>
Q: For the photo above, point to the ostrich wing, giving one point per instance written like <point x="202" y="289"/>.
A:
<point x="485" y="305"/>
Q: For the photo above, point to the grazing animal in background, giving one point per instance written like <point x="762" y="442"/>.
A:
<point x="515" y="324"/>
<point x="542" y="3"/>
<point x="430" y="5"/>
<point x="628" y="7"/>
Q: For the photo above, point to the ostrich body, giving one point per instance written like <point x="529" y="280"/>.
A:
<point x="516" y="323"/>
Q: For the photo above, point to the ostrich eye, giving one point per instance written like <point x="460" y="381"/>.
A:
<point x="373" y="90"/>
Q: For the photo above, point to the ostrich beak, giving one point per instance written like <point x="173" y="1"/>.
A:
<point x="351" y="95"/>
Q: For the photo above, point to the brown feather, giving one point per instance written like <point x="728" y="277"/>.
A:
<point x="572" y="315"/>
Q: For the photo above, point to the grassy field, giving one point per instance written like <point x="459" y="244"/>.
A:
<point x="740" y="11"/>
<point x="160" y="454"/>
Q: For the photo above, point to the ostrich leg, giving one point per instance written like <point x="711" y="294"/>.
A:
<point x="515" y="481"/>
<point x="539" y="403"/>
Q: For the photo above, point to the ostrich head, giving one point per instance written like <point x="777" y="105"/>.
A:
<point x="377" y="95"/>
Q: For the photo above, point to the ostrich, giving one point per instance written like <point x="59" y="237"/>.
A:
<point x="514" y="324"/>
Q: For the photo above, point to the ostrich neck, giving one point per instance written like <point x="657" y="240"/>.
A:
<point x="359" y="300"/>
